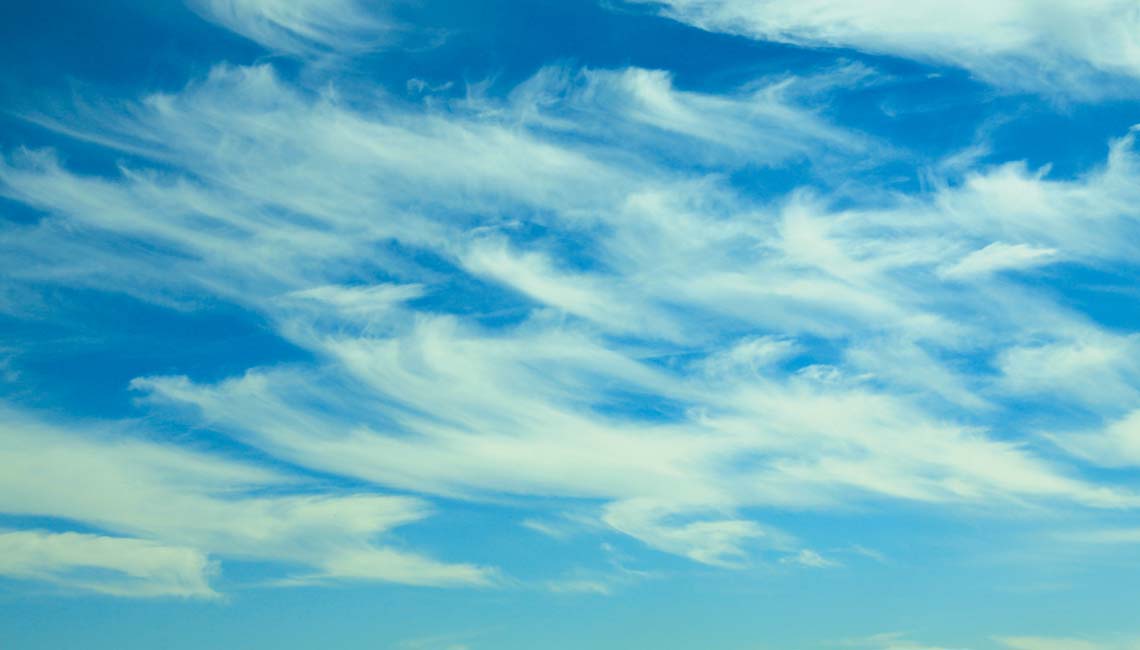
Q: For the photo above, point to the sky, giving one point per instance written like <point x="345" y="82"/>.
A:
<point x="608" y="324"/>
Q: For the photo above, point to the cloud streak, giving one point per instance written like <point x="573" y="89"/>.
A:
<point x="180" y="507"/>
<point x="137" y="568"/>
<point x="1087" y="50"/>
<point x="306" y="28"/>
<point x="561" y="293"/>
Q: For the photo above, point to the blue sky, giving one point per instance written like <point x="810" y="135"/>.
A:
<point x="782" y="325"/>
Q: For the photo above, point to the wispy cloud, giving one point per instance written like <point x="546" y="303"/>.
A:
<point x="561" y="292"/>
<point x="1116" y="445"/>
<point x="891" y="641"/>
<point x="181" y="506"/>
<point x="302" y="27"/>
<point x="1049" y="643"/>
<point x="288" y="201"/>
<point x="809" y="558"/>
<point x="1086" y="49"/>
<point x="126" y="567"/>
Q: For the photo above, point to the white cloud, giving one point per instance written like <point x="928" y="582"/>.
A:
<point x="1106" y="536"/>
<point x="809" y="558"/>
<point x="1116" y="445"/>
<point x="656" y="366"/>
<point x="126" y="567"/>
<point x="719" y="542"/>
<point x="588" y="295"/>
<point x="1084" y="48"/>
<point x="1048" y="643"/>
<point x="891" y="641"/>
<point x="1090" y="367"/>
<point x="997" y="257"/>
<point x="515" y="423"/>
<point x="766" y="122"/>
<point x="300" y="27"/>
<point x="202" y="504"/>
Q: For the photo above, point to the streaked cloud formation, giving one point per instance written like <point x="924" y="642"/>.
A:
<point x="186" y="499"/>
<point x="136" y="567"/>
<point x="300" y="27"/>
<point x="1091" y="49"/>
<point x="607" y="303"/>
